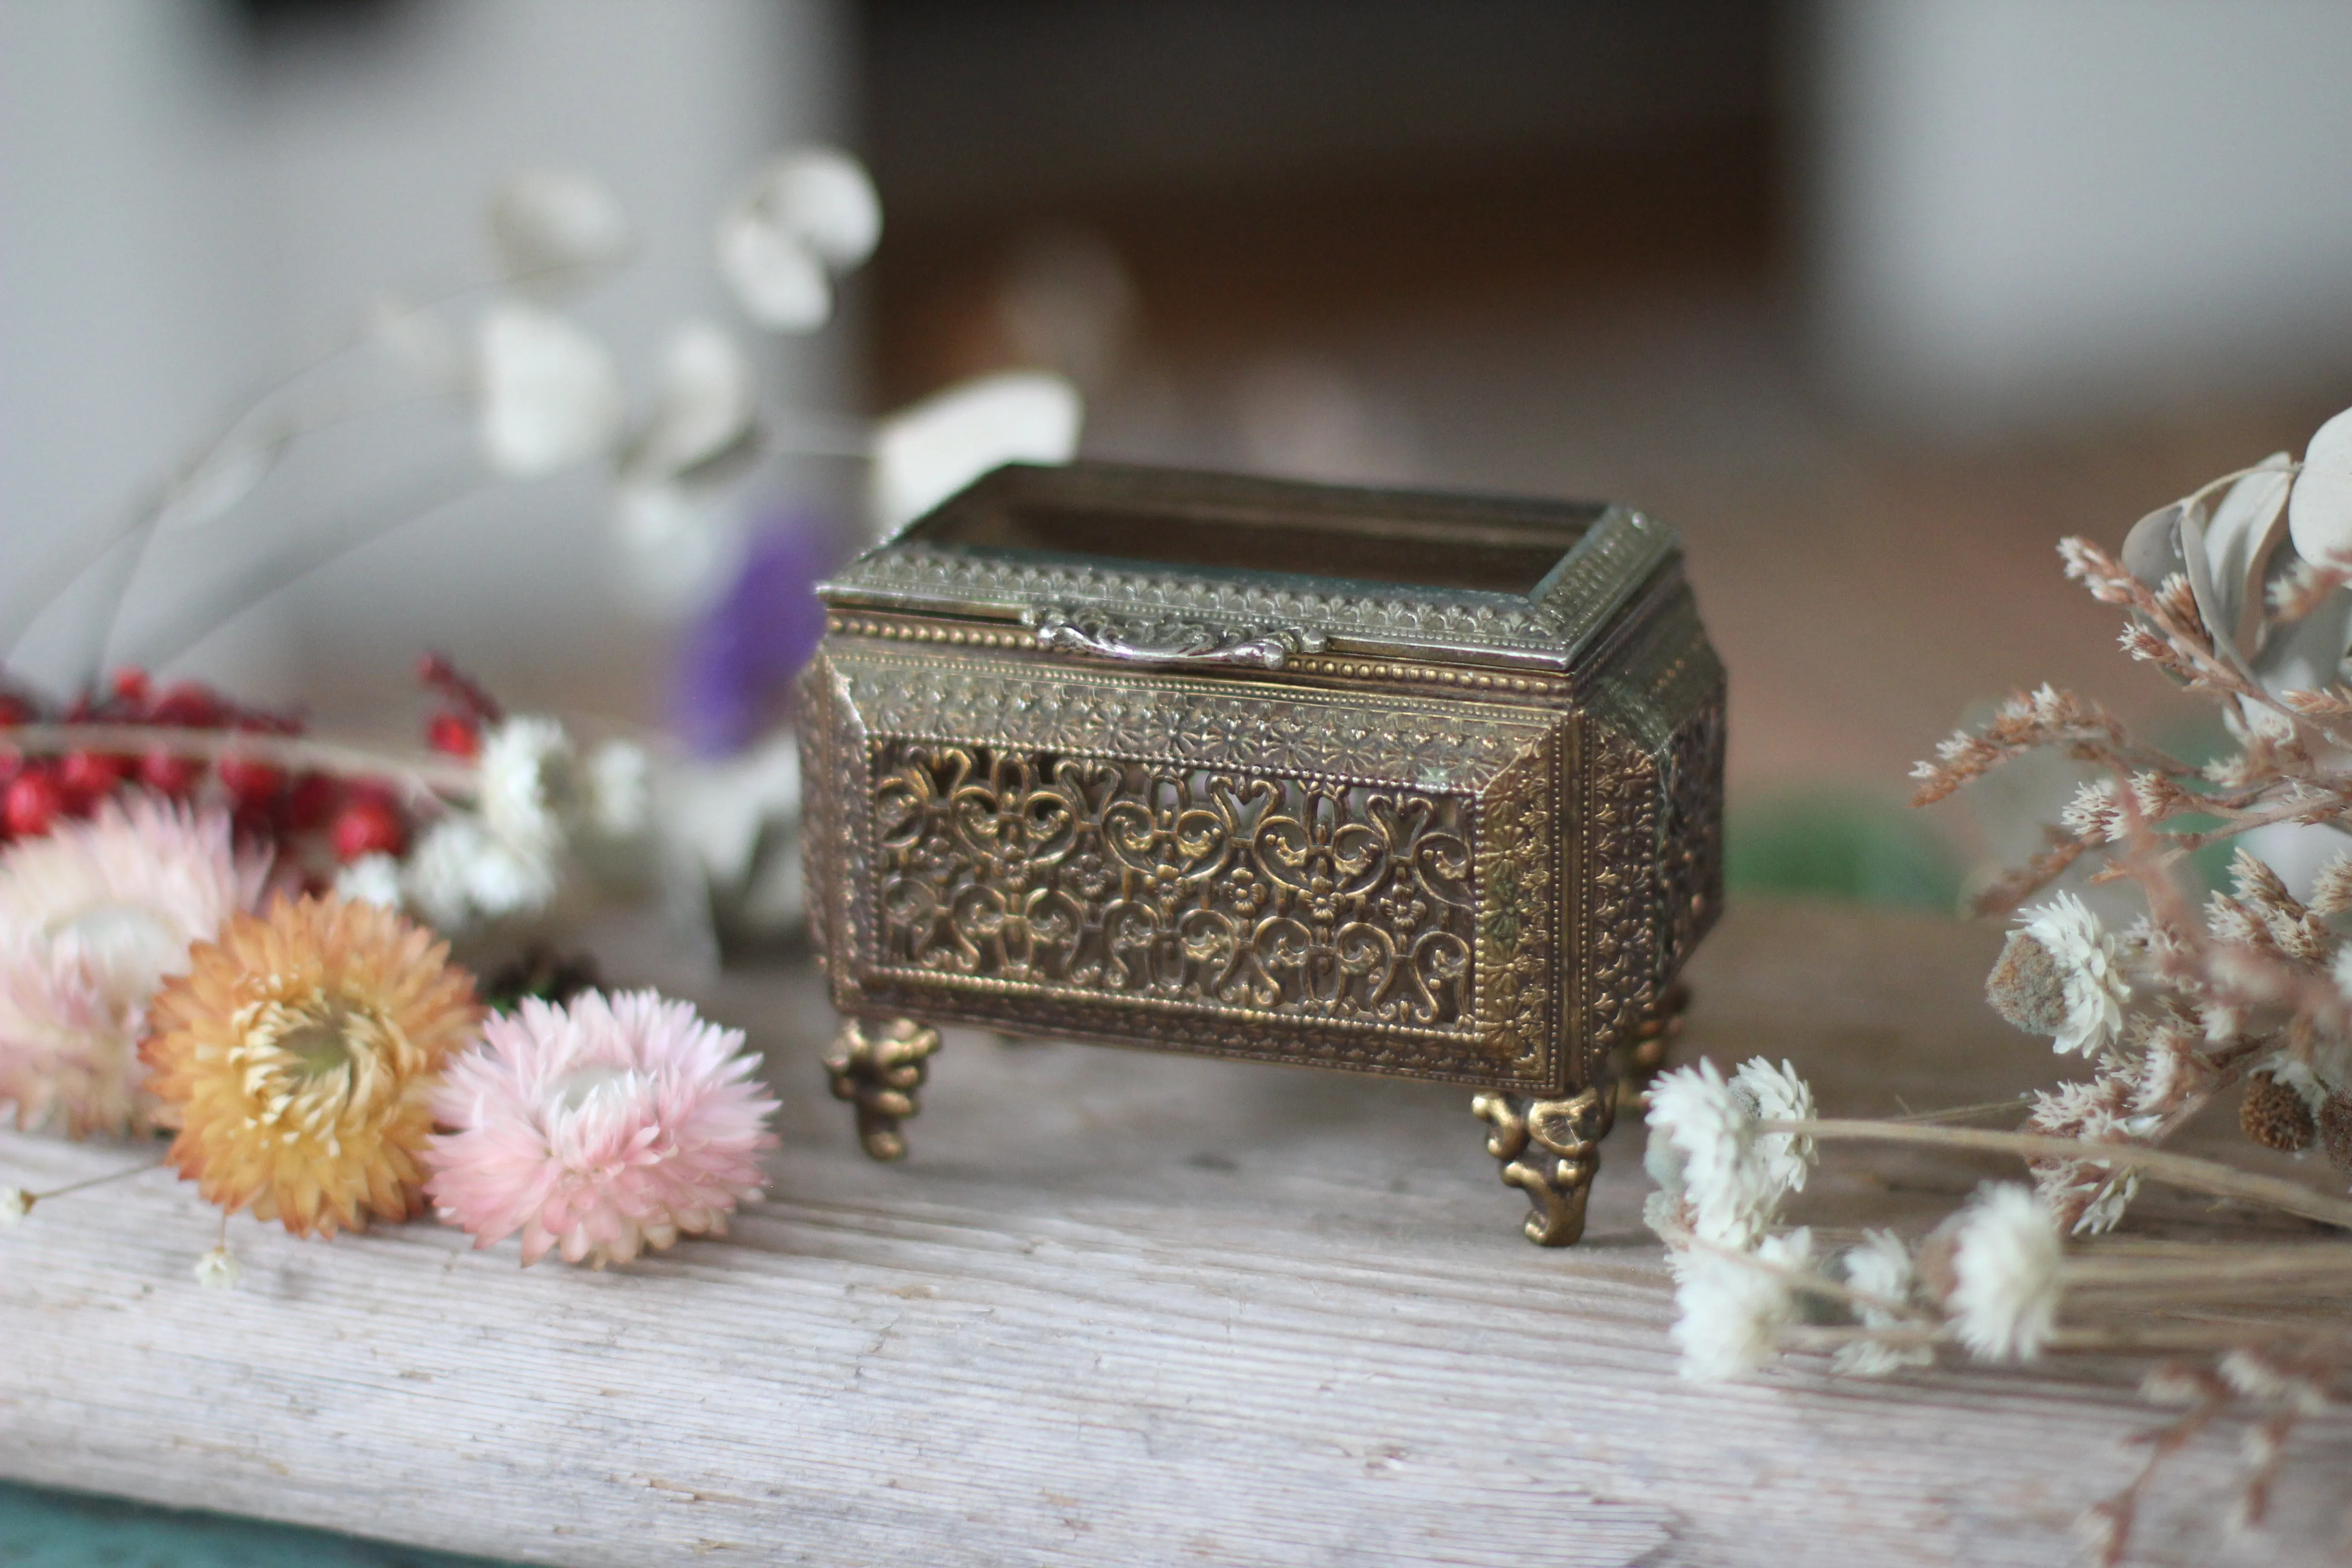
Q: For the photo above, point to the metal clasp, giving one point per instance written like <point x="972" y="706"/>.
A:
<point x="1166" y="641"/>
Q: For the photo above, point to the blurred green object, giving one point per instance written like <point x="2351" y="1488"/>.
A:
<point x="1864" y="847"/>
<point x="70" y="1530"/>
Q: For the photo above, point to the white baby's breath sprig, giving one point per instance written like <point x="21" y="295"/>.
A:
<point x="16" y="1203"/>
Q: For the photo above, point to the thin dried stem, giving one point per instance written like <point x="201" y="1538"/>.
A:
<point x="425" y="777"/>
<point x="2158" y="1165"/>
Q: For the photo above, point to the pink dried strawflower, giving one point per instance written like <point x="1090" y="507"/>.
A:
<point x="603" y="1126"/>
<point x="93" y="918"/>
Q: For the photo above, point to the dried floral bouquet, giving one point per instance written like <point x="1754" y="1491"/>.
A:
<point x="216" y="926"/>
<point x="2240" y="593"/>
<point x="202" y="931"/>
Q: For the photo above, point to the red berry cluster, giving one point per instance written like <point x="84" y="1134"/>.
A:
<point x="456" y="730"/>
<point x="39" y="792"/>
<point x="318" y="820"/>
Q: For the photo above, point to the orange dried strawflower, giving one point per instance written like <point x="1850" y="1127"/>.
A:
<point x="297" y="1058"/>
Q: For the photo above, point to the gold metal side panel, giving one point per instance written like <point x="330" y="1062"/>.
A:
<point x="1349" y="879"/>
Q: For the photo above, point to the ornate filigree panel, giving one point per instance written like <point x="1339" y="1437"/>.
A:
<point x="1344" y="878"/>
<point x="1619" y="979"/>
<point x="1690" y="840"/>
<point x="1281" y="897"/>
<point x="1229" y="723"/>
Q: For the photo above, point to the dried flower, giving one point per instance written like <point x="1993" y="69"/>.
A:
<point x="808" y="212"/>
<point x="526" y="780"/>
<point x="219" y="1269"/>
<point x="2275" y="1116"/>
<point x="1777" y="1094"/>
<point x="370" y="879"/>
<point x="2331" y="888"/>
<point x="2005" y="1258"/>
<point x="549" y="223"/>
<point x="16" y="1203"/>
<point x="462" y="872"/>
<point x="297" y="1057"/>
<point x="2060" y="975"/>
<point x="1728" y="1306"/>
<point x="2336" y="1130"/>
<point x="602" y="1127"/>
<point x="550" y="396"/>
<point x="1702" y="1148"/>
<point x="93" y="916"/>
<point x="2094" y="815"/>
<point x="1881" y="1267"/>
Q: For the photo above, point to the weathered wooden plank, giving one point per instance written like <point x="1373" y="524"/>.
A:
<point x="1117" y="1309"/>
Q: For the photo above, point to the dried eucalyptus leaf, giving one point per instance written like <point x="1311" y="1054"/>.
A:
<point x="2215" y="606"/>
<point x="2152" y="548"/>
<point x="2319" y="511"/>
<point x="925" y="453"/>
<point x="2240" y="541"/>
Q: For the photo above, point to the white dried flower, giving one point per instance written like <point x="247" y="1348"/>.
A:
<point x="1881" y="1267"/>
<point x="550" y="396"/>
<point x="2116" y="1192"/>
<point x="2004" y="1301"/>
<point x="1702" y="1139"/>
<point x="620" y="794"/>
<point x="1727" y="1309"/>
<point x="1777" y="1094"/>
<point x="370" y="879"/>
<point x="2254" y="1376"/>
<point x="2290" y="1071"/>
<point x="2331" y="888"/>
<point x="2062" y="975"/>
<point x="460" y="872"/>
<point x="2094" y="817"/>
<point x="703" y="408"/>
<point x="809" y="212"/>
<point x="526" y="773"/>
<point x="16" y="1203"/>
<point x="217" y="1269"/>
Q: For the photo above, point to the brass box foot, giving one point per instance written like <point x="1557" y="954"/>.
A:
<point x="1549" y="1150"/>
<point x="879" y="1071"/>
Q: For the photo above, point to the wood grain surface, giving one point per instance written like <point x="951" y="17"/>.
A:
<point x="1115" y="1308"/>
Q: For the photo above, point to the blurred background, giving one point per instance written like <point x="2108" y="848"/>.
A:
<point x="1873" y="299"/>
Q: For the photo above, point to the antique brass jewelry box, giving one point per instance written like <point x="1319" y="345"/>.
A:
<point x="1398" y="782"/>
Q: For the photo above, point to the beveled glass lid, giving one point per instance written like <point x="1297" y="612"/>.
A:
<point x="1461" y="579"/>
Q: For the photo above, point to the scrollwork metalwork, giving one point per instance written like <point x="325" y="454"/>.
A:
<point x="1083" y="876"/>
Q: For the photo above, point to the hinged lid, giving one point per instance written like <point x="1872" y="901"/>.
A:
<point x="1162" y="566"/>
